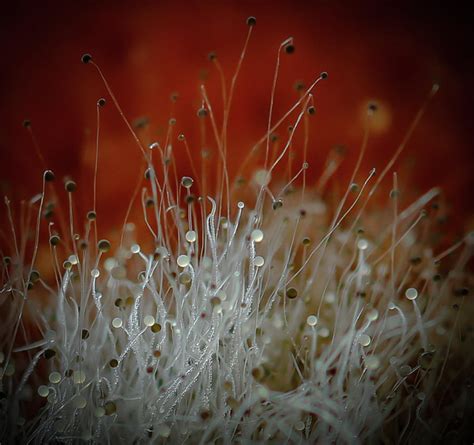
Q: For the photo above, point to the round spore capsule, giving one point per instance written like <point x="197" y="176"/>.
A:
<point x="183" y="261"/>
<point x="86" y="58"/>
<point x="411" y="293"/>
<point x="256" y="236"/>
<point x="48" y="176"/>
<point x="289" y="48"/>
<point x="362" y="244"/>
<point x="43" y="391"/>
<point x="80" y="402"/>
<point x="110" y="408"/>
<point x="259" y="261"/>
<point x="202" y="112"/>
<point x="70" y="186"/>
<point x="55" y="377"/>
<point x="155" y="328"/>
<point x="191" y="236"/>
<point x="117" y="323"/>
<point x="364" y="340"/>
<point x="149" y="320"/>
<point x="103" y="245"/>
<point x="372" y="362"/>
<point x="251" y="21"/>
<point x="79" y="377"/>
<point x="187" y="182"/>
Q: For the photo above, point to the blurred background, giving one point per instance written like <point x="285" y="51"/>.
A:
<point x="387" y="52"/>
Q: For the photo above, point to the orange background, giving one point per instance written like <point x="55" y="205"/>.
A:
<point x="147" y="50"/>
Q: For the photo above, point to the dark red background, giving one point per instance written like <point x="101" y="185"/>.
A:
<point x="391" y="53"/>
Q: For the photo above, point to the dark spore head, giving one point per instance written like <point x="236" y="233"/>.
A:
<point x="86" y="58"/>
<point x="70" y="186"/>
<point x="251" y="21"/>
<point x="289" y="48"/>
<point x="372" y="107"/>
<point x="48" y="176"/>
<point x="104" y="245"/>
